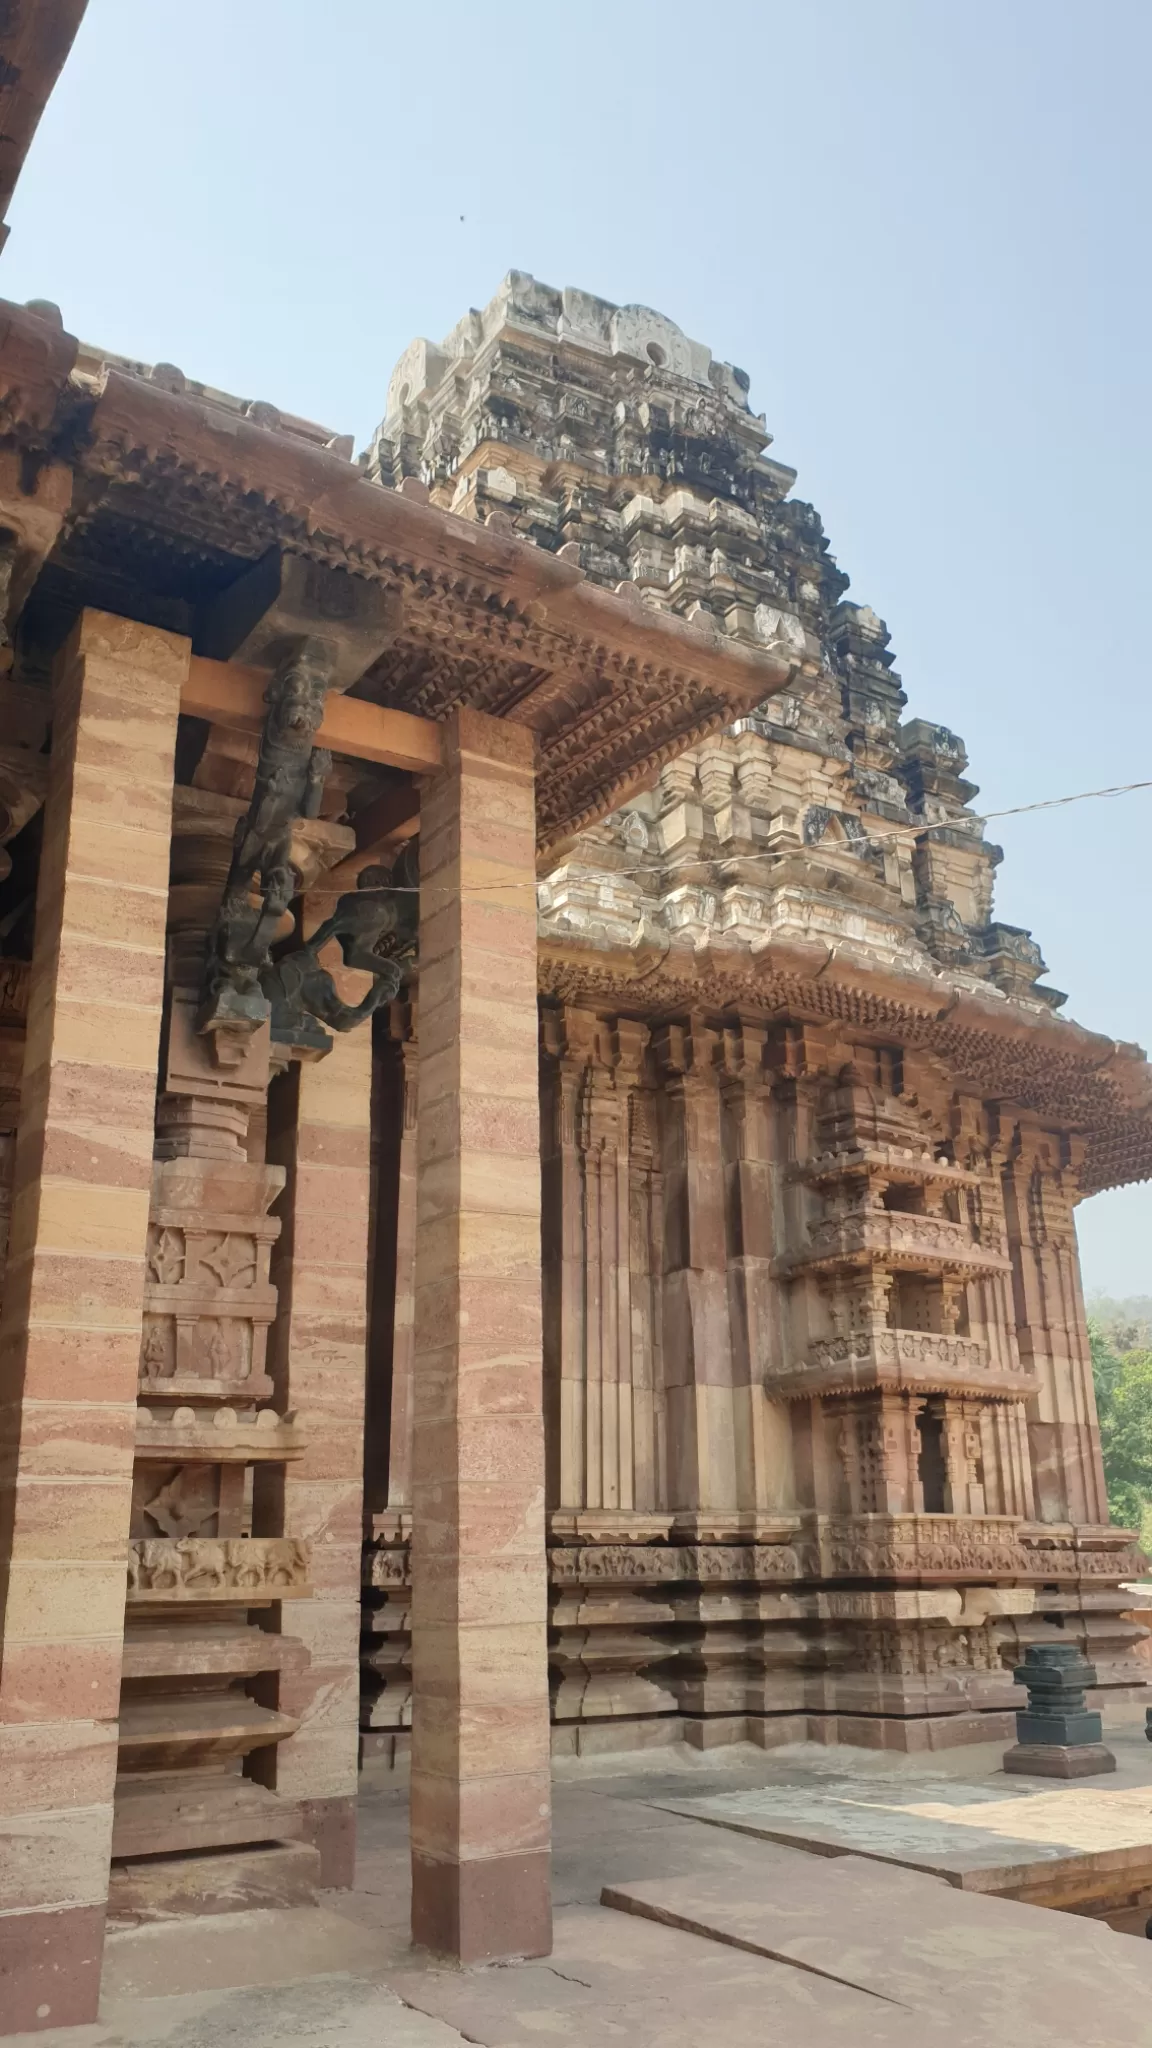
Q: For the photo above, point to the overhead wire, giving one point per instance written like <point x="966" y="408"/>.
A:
<point x="961" y="821"/>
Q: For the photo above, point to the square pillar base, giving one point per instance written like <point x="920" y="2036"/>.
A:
<point x="330" y="1825"/>
<point x="468" y="1911"/>
<point x="50" y="1968"/>
<point x="1059" y="1760"/>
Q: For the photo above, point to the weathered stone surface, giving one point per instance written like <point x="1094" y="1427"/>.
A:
<point x="252" y="1879"/>
<point x="905" y="1937"/>
<point x="1072" y="1849"/>
<point x="480" y="1781"/>
<point x="73" y="1297"/>
<point x="806" y="1119"/>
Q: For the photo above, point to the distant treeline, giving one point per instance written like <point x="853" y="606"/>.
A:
<point x="1121" y="1337"/>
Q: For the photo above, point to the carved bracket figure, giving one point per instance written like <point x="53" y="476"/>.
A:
<point x="262" y="880"/>
<point x="375" y="927"/>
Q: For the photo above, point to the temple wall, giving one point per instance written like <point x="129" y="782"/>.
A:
<point x="821" y="1453"/>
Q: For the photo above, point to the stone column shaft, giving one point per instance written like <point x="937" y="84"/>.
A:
<point x="388" y="1421"/>
<point x="1063" y="1429"/>
<point x="318" y="1367"/>
<point x="400" y="1414"/>
<point x="563" y="1278"/>
<point x="480" y="1744"/>
<point x="71" y="1331"/>
<point x="763" y="1428"/>
<point x="698" y="1370"/>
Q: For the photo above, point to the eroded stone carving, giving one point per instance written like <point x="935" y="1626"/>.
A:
<point x="375" y="927"/>
<point x="262" y="880"/>
<point x="205" y="1568"/>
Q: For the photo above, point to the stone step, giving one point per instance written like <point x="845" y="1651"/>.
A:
<point x="1079" y="1848"/>
<point x="163" y="1732"/>
<point x="164" y="1814"/>
<point x="231" y="1881"/>
<point x="200" y="1647"/>
<point x="907" y="1938"/>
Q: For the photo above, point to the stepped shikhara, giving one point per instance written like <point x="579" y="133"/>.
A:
<point x="822" y="1440"/>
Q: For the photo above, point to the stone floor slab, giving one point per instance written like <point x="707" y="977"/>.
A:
<point x="233" y="1951"/>
<point x="1070" y="1847"/>
<point x="613" y="1982"/>
<point x="988" y="1964"/>
<point x="324" y="2012"/>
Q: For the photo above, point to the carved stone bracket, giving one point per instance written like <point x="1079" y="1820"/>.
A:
<point x="375" y="927"/>
<point x="262" y="879"/>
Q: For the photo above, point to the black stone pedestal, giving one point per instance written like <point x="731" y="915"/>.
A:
<point x="1059" y="1759"/>
<point x="1057" y="1735"/>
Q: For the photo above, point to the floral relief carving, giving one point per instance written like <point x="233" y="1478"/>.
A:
<point x="166" y="1256"/>
<point x="232" y="1259"/>
<point x="185" y="1503"/>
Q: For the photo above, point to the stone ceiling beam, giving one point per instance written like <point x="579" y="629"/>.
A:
<point x="35" y="38"/>
<point x="388" y="822"/>
<point x="232" y="693"/>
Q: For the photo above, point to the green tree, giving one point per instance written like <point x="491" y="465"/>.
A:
<point x="1107" y="1364"/>
<point x="1124" y="1398"/>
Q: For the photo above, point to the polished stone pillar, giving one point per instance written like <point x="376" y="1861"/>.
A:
<point x="480" y="1746"/>
<point x="319" y="1124"/>
<point x="71" y="1331"/>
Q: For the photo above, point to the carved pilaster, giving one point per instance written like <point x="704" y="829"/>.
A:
<point x="697" y="1351"/>
<point x="749" y="1148"/>
<point x="1040" y="1186"/>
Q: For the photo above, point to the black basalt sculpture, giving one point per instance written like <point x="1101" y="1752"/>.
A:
<point x="262" y="880"/>
<point x="375" y="927"/>
<point x="1057" y="1735"/>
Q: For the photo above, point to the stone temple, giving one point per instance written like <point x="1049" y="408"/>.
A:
<point x="538" y="1197"/>
<point x="822" y="1455"/>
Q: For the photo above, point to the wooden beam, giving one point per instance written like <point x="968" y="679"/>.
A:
<point x="229" y="694"/>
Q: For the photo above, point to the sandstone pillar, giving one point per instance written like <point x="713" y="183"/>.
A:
<point x="399" y="1490"/>
<point x="71" y="1331"/>
<point x="763" y="1428"/>
<point x="319" y="1130"/>
<point x="1052" y="1333"/>
<point x="480" y="1746"/>
<point x="562" y="1248"/>
<point x="698" y="1373"/>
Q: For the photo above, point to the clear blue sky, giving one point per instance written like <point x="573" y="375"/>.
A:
<point x="922" y="228"/>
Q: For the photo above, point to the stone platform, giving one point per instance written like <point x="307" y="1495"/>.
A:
<point x="723" y="1937"/>
<point x="953" y="1959"/>
<point x="1080" y="1848"/>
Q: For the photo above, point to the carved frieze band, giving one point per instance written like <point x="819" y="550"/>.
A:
<point x="949" y="1547"/>
<point x="248" y="1569"/>
<point x="924" y="1361"/>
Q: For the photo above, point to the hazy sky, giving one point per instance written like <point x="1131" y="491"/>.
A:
<point x="921" y="227"/>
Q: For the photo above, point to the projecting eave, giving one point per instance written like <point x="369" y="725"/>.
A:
<point x="174" y="495"/>
<point x="1096" y="1089"/>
